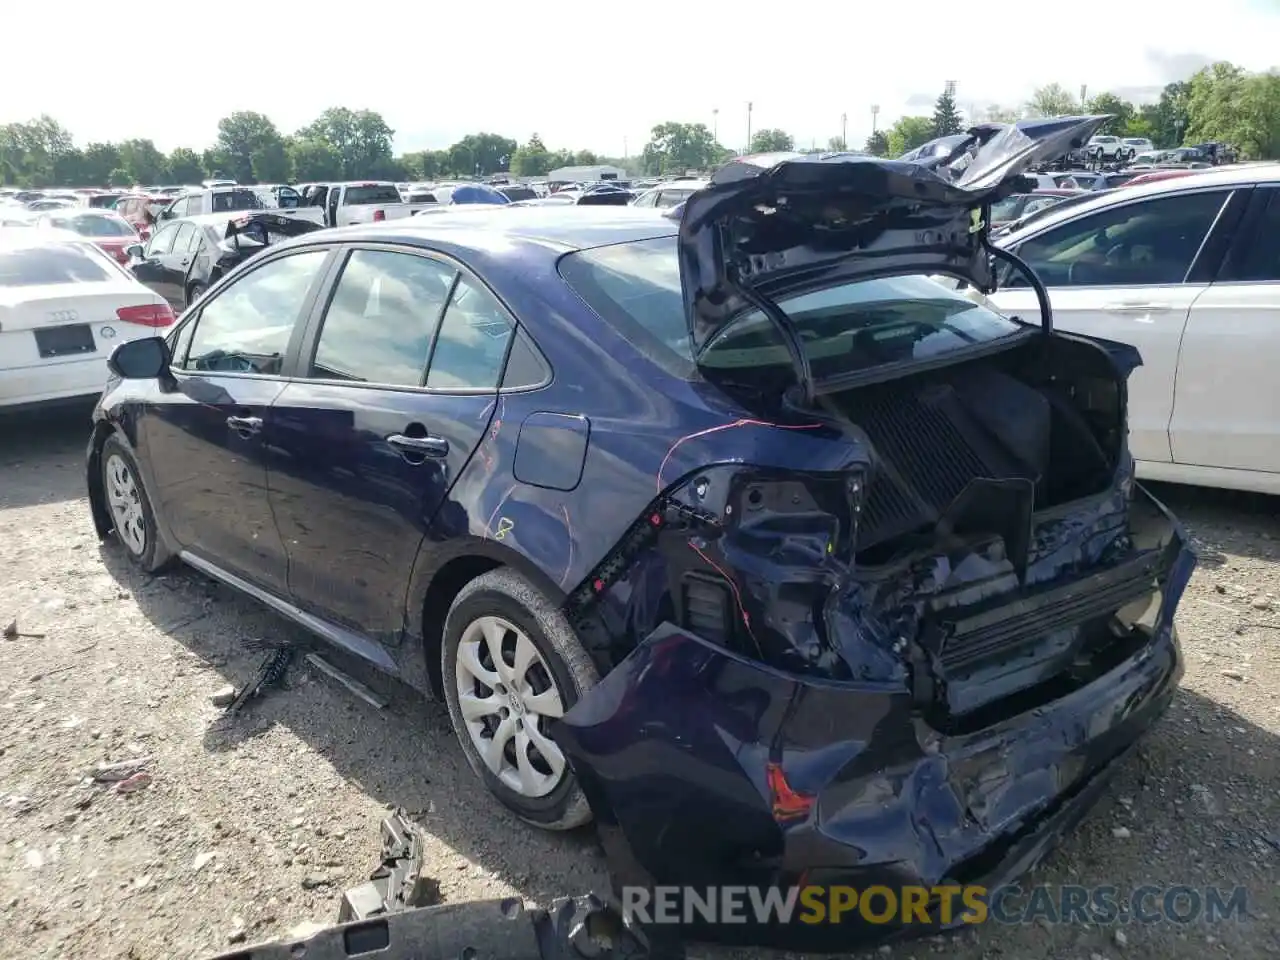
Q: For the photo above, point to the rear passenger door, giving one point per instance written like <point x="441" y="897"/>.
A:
<point x="396" y="386"/>
<point x="1226" y="410"/>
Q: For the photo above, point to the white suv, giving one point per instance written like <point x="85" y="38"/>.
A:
<point x="1106" y="148"/>
<point x="1136" y="145"/>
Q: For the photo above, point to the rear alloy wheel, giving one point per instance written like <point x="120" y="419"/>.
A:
<point x="512" y="665"/>
<point x="131" y="517"/>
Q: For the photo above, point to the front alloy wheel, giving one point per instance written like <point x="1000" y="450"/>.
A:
<point x="507" y="697"/>
<point x="125" y="500"/>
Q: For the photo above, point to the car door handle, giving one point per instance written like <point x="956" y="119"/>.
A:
<point x="245" y="425"/>
<point x="420" y="446"/>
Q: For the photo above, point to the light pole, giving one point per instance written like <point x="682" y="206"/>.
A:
<point x="715" y="124"/>
<point x="844" y="131"/>
<point x="875" y="112"/>
<point x="748" y="150"/>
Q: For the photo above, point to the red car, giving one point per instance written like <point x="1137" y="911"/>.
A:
<point x="141" y="210"/>
<point x="106" y="229"/>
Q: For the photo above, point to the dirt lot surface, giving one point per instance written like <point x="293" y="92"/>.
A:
<point x="251" y="828"/>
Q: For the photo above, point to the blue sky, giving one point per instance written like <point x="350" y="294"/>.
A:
<point x="589" y="75"/>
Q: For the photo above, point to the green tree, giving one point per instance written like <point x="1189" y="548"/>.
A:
<point x="1122" y="110"/>
<point x="142" y="162"/>
<point x="946" y="118"/>
<point x="270" y="162"/>
<point x="361" y="139"/>
<point x="314" y="160"/>
<point x="119" y="178"/>
<point x="480" y="154"/>
<point x="185" y="166"/>
<point x="1226" y="103"/>
<point x="100" y="159"/>
<point x="676" y="147"/>
<point x="29" y="151"/>
<point x="909" y="133"/>
<point x="1168" y="118"/>
<point x="771" y="141"/>
<point x="1052" y="100"/>
<point x="586" y="158"/>
<point x="242" y="135"/>
<point x="877" y="144"/>
<point x="531" y="158"/>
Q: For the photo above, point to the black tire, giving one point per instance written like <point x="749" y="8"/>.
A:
<point x="510" y="597"/>
<point x="195" y="292"/>
<point x="152" y="555"/>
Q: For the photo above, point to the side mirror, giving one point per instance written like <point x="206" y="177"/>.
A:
<point x="140" y="359"/>
<point x="134" y="251"/>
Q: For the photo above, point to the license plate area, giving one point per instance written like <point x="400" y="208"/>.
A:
<point x="67" y="341"/>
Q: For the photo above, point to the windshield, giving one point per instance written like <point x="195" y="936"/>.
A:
<point x="371" y="193"/>
<point x="636" y="288"/>
<point x="37" y="266"/>
<point x="94" y="226"/>
<point x="518" y="193"/>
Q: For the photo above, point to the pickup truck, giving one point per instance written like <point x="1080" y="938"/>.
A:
<point x="234" y="199"/>
<point x="343" y="204"/>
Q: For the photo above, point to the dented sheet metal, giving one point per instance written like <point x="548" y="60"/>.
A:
<point x="706" y="766"/>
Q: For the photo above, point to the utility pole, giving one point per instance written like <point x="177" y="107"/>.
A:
<point x="875" y="112"/>
<point x="1084" y="99"/>
<point x="748" y="150"/>
<point x="625" y="154"/>
<point x="715" y="124"/>
<point x="844" y="131"/>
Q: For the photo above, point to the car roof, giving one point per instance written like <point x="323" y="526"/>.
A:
<point x="88" y="212"/>
<point x="1226" y="177"/>
<point x="563" y="228"/>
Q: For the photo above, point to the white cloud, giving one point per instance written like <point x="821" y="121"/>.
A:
<point x="581" y="74"/>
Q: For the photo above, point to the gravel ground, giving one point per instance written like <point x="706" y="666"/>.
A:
<point x="249" y="829"/>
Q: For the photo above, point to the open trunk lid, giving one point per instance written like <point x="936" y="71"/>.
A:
<point x="778" y="225"/>
<point x="264" y="229"/>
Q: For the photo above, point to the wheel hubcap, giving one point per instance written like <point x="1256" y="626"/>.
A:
<point x="507" y="696"/>
<point x="126" y="504"/>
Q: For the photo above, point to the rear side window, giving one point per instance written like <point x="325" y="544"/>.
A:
<point x="246" y="326"/>
<point x="229" y="200"/>
<point x="1148" y="243"/>
<point x="356" y="196"/>
<point x="36" y="266"/>
<point x="380" y="322"/>
<point x="472" y="344"/>
<point x="97" y="226"/>
<point x="1255" y="256"/>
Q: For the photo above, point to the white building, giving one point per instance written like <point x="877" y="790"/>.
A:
<point x="586" y="174"/>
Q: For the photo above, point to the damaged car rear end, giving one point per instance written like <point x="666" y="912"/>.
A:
<point x="908" y="645"/>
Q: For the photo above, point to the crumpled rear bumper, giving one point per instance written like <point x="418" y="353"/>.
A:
<point x="708" y="769"/>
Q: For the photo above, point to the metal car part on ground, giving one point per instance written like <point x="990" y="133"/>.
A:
<point x="874" y="611"/>
<point x="397" y="916"/>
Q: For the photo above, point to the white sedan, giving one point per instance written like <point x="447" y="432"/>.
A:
<point x="64" y="306"/>
<point x="1188" y="271"/>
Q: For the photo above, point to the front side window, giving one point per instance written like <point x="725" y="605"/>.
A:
<point x="162" y="242"/>
<point x="380" y="321"/>
<point x="182" y="239"/>
<point x="472" y="343"/>
<point x="246" y="327"/>
<point x="1146" y="243"/>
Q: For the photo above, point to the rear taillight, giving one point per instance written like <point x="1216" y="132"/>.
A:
<point x="147" y="315"/>
<point x="379" y="215"/>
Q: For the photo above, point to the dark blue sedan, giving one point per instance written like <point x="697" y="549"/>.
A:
<point x="739" y="532"/>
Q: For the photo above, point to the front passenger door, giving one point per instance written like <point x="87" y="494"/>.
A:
<point x="151" y="270"/>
